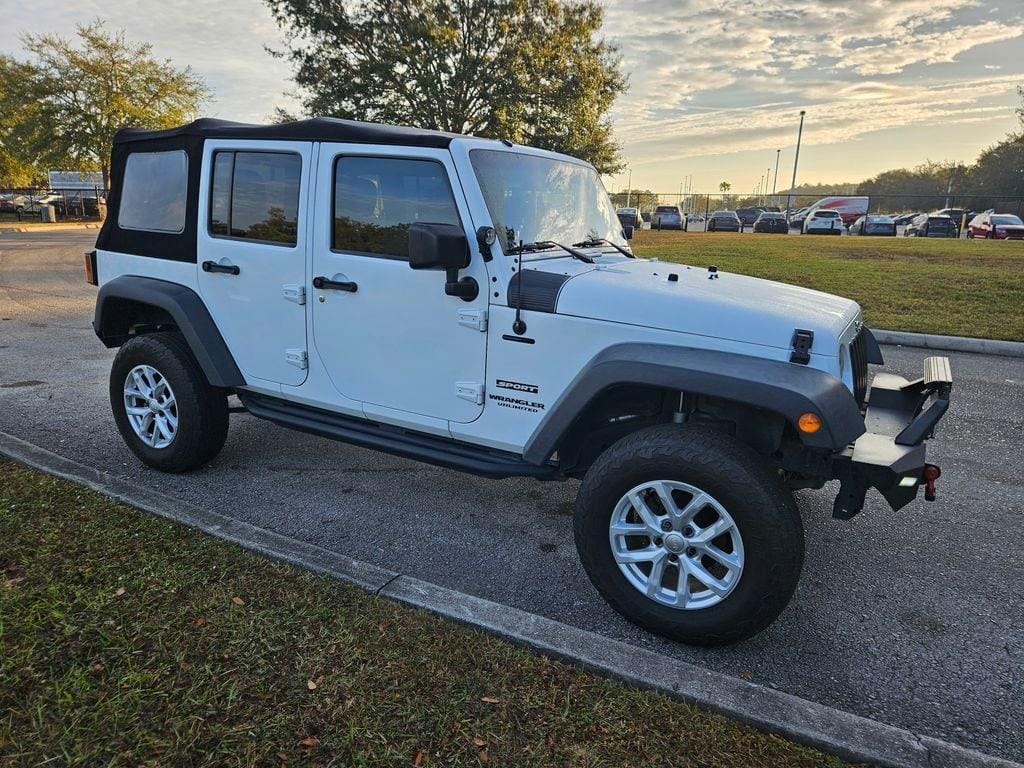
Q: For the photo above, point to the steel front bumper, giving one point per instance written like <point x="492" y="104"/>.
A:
<point x="899" y="417"/>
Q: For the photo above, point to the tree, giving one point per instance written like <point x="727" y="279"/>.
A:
<point x="16" y="166"/>
<point x="533" y="71"/>
<point x="643" y="199"/>
<point x="724" y="187"/>
<point x="73" y="99"/>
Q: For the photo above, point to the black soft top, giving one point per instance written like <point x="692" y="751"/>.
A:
<point x="313" y="129"/>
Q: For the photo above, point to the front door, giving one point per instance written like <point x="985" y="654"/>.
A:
<point x="252" y="254"/>
<point x="388" y="335"/>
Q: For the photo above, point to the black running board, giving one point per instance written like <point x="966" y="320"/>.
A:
<point x="442" y="452"/>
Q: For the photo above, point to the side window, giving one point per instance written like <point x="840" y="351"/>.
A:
<point x="377" y="198"/>
<point x="255" y="196"/>
<point x="153" y="192"/>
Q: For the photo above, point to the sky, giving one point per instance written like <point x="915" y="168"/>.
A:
<point x="715" y="88"/>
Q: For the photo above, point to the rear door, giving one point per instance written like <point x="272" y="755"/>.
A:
<point x="252" y="254"/>
<point x="389" y="336"/>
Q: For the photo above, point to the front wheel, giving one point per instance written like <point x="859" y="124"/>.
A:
<point x="690" y="534"/>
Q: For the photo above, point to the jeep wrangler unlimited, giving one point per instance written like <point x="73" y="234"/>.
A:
<point x="475" y="304"/>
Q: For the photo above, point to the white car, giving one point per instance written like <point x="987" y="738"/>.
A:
<point x="822" y="221"/>
<point x="402" y="290"/>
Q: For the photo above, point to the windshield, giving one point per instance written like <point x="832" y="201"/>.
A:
<point x="533" y="199"/>
<point x="1006" y="220"/>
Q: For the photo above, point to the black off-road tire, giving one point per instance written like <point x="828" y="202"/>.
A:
<point x="750" y="490"/>
<point x="202" y="409"/>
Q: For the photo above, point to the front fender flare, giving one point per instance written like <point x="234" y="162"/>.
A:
<point x="185" y="308"/>
<point x="773" y="385"/>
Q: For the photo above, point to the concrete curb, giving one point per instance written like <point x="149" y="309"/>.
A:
<point x="951" y="343"/>
<point x="51" y="227"/>
<point x="847" y="735"/>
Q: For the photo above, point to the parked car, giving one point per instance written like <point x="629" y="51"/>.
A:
<point x="518" y="341"/>
<point x="849" y="208"/>
<point x="959" y="215"/>
<point x="796" y="218"/>
<point x="931" y="225"/>
<point x="667" y="217"/>
<point x="996" y="226"/>
<point x="748" y="216"/>
<point x="772" y="222"/>
<point x="874" y="224"/>
<point x="724" y="221"/>
<point x="645" y="215"/>
<point x="630" y="217"/>
<point x="29" y="203"/>
<point x="694" y="218"/>
<point x="904" y="218"/>
<point x="822" y="222"/>
<point x="80" y="204"/>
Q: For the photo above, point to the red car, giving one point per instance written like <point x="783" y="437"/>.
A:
<point x="996" y="226"/>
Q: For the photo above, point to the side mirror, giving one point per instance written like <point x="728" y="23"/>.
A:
<point x="438" y="246"/>
<point x="443" y="246"/>
<point x="627" y="232"/>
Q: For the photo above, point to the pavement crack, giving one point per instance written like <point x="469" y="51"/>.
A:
<point x="386" y="584"/>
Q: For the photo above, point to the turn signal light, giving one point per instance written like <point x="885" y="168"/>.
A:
<point x="90" y="268"/>
<point x="809" y="423"/>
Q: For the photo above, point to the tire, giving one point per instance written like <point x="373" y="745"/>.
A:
<point x="200" y="410"/>
<point x="771" y="550"/>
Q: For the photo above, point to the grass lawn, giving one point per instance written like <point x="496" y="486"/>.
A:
<point x="956" y="287"/>
<point x="126" y="639"/>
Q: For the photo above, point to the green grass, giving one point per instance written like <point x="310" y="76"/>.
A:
<point x="129" y="640"/>
<point x="956" y="287"/>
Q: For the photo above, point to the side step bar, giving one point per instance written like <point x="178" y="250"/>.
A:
<point x="394" y="440"/>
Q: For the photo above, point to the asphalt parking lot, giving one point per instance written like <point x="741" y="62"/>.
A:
<point x="912" y="618"/>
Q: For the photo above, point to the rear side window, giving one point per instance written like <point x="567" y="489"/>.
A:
<point x="377" y="198"/>
<point x="154" y="191"/>
<point x="255" y="196"/>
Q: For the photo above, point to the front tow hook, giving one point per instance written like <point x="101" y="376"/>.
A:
<point x="928" y="477"/>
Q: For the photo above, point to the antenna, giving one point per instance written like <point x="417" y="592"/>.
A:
<point x="518" y="326"/>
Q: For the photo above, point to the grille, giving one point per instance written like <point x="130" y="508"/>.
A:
<point x="859" y="366"/>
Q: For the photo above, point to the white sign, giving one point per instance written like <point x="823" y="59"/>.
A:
<point x="75" y="180"/>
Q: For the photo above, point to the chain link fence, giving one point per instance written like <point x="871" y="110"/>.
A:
<point x="28" y="203"/>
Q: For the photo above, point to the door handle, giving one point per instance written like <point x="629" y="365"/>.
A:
<point x="227" y="269"/>
<point x="323" y="284"/>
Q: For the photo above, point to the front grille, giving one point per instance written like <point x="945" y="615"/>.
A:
<point x="859" y="365"/>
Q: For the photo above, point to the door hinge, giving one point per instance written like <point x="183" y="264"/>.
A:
<point x="473" y="318"/>
<point x="295" y="293"/>
<point x="297" y="357"/>
<point x="473" y="391"/>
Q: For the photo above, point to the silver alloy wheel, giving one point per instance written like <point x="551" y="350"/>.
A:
<point x="150" y="405"/>
<point x="676" y="544"/>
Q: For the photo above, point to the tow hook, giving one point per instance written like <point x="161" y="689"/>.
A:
<point x="928" y="477"/>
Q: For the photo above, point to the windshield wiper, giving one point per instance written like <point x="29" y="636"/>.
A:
<point x="596" y="241"/>
<point x="544" y="245"/>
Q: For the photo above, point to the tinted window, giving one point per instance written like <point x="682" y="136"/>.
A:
<point x="666" y="209"/>
<point x="1006" y="220"/>
<point x="255" y="196"/>
<point x="377" y="198"/>
<point x="825" y="214"/>
<point x="153" y="192"/>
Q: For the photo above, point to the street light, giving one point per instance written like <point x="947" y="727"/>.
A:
<point x="778" y="153"/>
<point x="796" y="159"/>
<point x="629" y="187"/>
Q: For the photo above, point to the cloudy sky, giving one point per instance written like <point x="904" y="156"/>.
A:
<point x="715" y="88"/>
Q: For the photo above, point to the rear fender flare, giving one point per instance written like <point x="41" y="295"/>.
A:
<point x="114" y="319"/>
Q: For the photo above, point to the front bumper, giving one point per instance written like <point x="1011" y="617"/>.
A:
<point x="899" y="417"/>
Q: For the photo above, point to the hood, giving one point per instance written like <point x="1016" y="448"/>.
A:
<point x="729" y="306"/>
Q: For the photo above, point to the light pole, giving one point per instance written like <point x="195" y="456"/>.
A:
<point x="796" y="159"/>
<point x="778" y="153"/>
<point x="767" y="178"/>
<point x="629" y="187"/>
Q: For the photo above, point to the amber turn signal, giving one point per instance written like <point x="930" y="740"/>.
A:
<point x="809" y="422"/>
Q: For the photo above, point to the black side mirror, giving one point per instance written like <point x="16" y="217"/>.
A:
<point x="627" y="232"/>
<point x="443" y="246"/>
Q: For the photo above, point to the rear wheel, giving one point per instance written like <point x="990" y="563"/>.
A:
<point x="169" y="415"/>
<point x="690" y="534"/>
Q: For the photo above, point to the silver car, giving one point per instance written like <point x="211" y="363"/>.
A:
<point x="667" y="217"/>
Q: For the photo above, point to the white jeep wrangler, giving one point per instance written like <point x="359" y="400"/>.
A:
<point x="475" y="304"/>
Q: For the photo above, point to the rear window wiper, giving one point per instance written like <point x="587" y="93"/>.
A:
<point x="544" y="245"/>
<point x="596" y="241"/>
